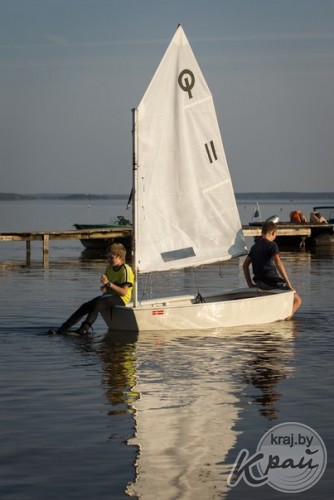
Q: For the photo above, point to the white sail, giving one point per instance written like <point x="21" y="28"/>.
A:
<point x="185" y="208"/>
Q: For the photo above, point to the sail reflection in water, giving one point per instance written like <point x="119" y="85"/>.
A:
<point x="191" y="405"/>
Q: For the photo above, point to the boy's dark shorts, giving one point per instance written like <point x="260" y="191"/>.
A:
<point x="272" y="284"/>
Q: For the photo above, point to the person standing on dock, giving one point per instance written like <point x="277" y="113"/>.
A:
<point x="268" y="268"/>
<point x="117" y="282"/>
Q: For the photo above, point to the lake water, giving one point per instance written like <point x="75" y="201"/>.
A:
<point x="158" y="416"/>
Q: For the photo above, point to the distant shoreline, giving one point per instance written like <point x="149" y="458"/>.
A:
<point x="60" y="196"/>
<point x="239" y="196"/>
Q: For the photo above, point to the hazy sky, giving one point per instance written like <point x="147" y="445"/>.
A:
<point x="72" y="70"/>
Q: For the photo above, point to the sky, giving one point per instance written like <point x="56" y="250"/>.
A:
<point x="72" y="70"/>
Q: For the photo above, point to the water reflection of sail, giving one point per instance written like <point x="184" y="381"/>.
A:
<point x="193" y="392"/>
<point x="185" y="417"/>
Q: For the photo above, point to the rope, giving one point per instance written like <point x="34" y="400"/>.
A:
<point x="198" y="299"/>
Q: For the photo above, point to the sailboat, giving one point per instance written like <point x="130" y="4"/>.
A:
<point x="184" y="208"/>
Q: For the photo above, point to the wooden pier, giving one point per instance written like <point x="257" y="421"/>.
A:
<point x="294" y="235"/>
<point x="46" y="236"/>
<point x="303" y="231"/>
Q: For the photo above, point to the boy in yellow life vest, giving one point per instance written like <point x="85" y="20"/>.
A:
<point x="117" y="282"/>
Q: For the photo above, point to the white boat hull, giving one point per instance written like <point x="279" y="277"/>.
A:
<point x="238" y="307"/>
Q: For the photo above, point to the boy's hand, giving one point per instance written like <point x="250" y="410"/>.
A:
<point x="104" y="279"/>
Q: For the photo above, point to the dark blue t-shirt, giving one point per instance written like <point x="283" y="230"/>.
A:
<point x="261" y="254"/>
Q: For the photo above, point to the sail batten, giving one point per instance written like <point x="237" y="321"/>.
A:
<point x="186" y="213"/>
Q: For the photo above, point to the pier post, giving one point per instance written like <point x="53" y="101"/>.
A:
<point x="28" y="251"/>
<point x="45" y="250"/>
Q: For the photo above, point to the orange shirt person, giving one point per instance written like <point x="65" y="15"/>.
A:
<point x="297" y="217"/>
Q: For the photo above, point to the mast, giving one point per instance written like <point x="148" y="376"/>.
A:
<point x="134" y="206"/>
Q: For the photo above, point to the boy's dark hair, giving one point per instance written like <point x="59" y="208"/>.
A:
<point x="268" y="227"/>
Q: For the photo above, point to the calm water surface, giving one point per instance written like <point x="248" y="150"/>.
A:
<point x="158" y="416"/>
